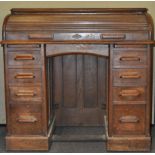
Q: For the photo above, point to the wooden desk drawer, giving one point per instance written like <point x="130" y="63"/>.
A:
<point x="24" y="76"/>
<point x="129" y="93"/>
<point x="24" y="58"/>
<point x="132" y="59"/>
<point x="25" y="94"/>
<point x="129" y="77"/>
<point x="129" y="120"/>
<point x="25" y="119"/>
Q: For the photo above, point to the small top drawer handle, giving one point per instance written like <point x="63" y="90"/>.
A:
<point x="40" y="36"/>
<point x="128" y="58"/>
<point x="24" y="57"/>
<point x="113" y="36"/>
<point x="129" y="119"/>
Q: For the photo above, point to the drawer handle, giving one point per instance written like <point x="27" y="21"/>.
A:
<point x="113" y="36"/>
<point x="129" y="119"/>
<point x="130" y="75"/>
<point x="27" y="119"/>
<point x="24" y="57"/>
<point x="25" y="76"/>
<point x="126" y="93"/>
<point x="25" y="93"/>
<point x="40" y="36"/>
<point x="129" y="59"/>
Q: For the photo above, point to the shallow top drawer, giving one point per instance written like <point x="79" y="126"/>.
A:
<point x="127" y="58"/>
<point x="24" y="58"/>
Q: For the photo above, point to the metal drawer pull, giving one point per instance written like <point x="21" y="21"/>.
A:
<point x="40" y="36"/>
<point x="24" y="57"/>
<point x="127" y="58"/>
<point x="76" y="36"/>
<point x="113" y="36"/>
<point x="126" y="93"/>
<point x="27" y="119"/>
<point x="130" y="75"/>
<point x="25" y="76"/>
<point x="25" y="93"/>
<point x="129" y="119"/>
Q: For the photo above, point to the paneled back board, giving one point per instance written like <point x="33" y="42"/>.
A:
<point x="78" y="67"/>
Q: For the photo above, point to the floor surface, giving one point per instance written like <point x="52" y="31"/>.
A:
<point x="74" y="147"/>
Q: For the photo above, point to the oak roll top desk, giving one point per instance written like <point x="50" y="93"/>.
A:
<point x="78" y="67"/>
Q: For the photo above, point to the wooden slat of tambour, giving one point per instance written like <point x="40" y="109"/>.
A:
<point x="75" y="10"/>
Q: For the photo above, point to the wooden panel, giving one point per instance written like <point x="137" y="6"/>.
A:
<point x="57" y="80"/>
<point x="79" y="89"/>
<point x="102" y="82"/>
<point x="69" y="81"/>
<point x="90" y="81"/>
<point x="79" y="82"/>
<point x="135" y="143"/>
<point x="26" y="143"/>
<point x="62" y="49"/>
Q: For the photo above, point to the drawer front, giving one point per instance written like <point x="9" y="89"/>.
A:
<point x="129" y="93"/>
<point x="24" y="58"/>
<point x="25" y="94"/>
<point x="129" y="120"/>
<point x="132" y="59"/>
<point x="24" y="76"/>
<point x="129" y="77"/>
<point x="25" y="120"/>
